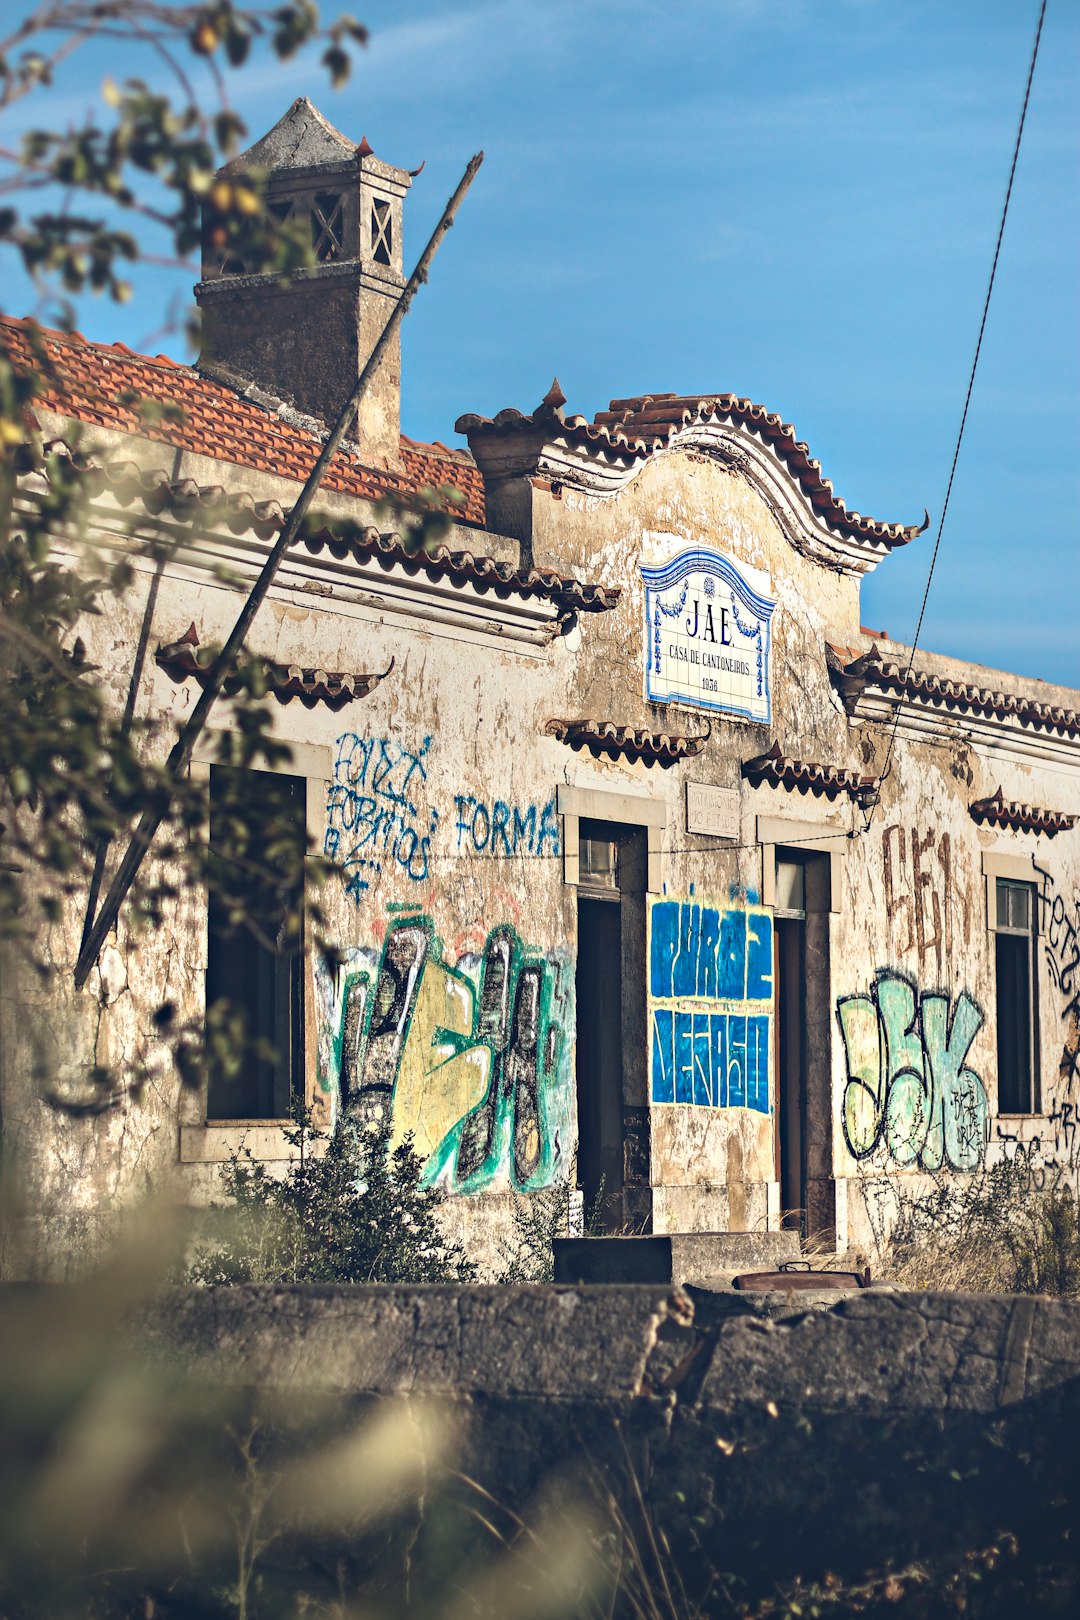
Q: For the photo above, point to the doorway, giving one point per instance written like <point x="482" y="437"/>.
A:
<point x="789" y="975"/>
<point x="613" y="1116"/>
<point x="802" y="1046"/>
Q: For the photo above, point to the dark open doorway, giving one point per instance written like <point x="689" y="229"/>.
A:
<point x="789" y="946"/>
<point x="613" y="1154"/>
<point x="802" y="1051"/>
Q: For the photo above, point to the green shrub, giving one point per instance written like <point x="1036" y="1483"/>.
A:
<point x="349" y="1209"/>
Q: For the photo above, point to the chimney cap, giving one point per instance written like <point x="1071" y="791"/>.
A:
<point x="302" y="139"/>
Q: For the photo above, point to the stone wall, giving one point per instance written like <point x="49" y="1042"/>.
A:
<point x="890" y="1429"/>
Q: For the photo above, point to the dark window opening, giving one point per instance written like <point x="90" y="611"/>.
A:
<point x="328" y="227"/>
<point x="257" y="843"/>
<point x="381" y="240"/>
<point x="1016" y="1003"/>
<point x="802" y="1052"/>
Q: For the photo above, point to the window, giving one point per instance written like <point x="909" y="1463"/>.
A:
<point x="327" y="226"/>
<point x="1017" y="1033"/>
<point x="381" y="240"/>
<point x="790" y="886"/>
<point x="257" y="846"/>
<point x="598" y="863"/>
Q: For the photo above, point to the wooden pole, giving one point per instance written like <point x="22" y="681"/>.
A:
<point x="150" y="820"/>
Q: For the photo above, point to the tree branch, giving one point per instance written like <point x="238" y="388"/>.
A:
<point x="151" y="819"/>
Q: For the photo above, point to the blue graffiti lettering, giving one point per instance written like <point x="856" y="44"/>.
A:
<point x="502" y="829"/>
<point x="373" y="819"/>
<point x="706" y="1051"/>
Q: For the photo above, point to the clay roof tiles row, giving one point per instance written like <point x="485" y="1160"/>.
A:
<point x="186" y="500"/>
<point x="777" y="769"/>
<point x="997" y="811"/>
<point x="604" y="737"/>
<point x="872" y="669"/>
<point x="637" y="428"/>
<point x="109" y="386"/>
<point x="183" y="659"/>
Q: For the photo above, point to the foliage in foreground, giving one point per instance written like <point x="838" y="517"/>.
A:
<point x="1012" y="1228"/>
<point x="134" y="181"/>
<point x="349" y="1209"/>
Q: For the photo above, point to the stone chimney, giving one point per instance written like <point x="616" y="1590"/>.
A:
<point x="304" y="338"/>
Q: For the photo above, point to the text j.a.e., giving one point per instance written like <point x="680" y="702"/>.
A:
<point x="705" y="625"/>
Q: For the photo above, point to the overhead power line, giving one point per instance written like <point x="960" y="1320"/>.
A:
<point x="967" y="399"/>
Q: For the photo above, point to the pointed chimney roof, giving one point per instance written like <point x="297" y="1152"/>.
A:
<point x="303" y="139"/>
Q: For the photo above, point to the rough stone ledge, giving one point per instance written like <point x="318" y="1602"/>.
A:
<point x="886" y="1429"/>
<point x="894" y="1353"/>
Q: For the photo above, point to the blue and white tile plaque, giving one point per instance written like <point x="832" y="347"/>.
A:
<point x="708" y="634"/>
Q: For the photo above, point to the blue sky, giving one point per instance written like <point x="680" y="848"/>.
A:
<point x="795" y="200"/>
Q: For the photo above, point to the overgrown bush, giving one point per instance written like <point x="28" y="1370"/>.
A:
<point x="349" y="1209"/>
<point x="528" y="1255"/>
<point x="1012" y="1228"/>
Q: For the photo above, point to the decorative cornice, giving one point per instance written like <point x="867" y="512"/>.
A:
<point x="997" y="811"/>
<point x="185" y="501"/>
<point x="605" y="738"/>
<point x="873" y="687"/>
<point x="600" y="458"/>
<point x="183" y="659"/>
<point x="776" y="769"/>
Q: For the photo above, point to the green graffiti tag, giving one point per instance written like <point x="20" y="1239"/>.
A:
<point x="471" y="1059"/>
<point x="908" y="1085"/>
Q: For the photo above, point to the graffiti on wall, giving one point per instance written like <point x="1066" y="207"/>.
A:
<point x="498" y="828"/>
<point x="377" y="814"/>
<point x="380" y="818"/>
<point x="471" y="1058"/>
<point x="710" y="1014"/>
<point x="909" y="1089"/>
<point x="927" y="906"/>
<point x="1062" y="936"/>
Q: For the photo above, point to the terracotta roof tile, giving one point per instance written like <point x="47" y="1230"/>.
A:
<point x="604" y="737"/>
<point x="637" y="428"/>
<point x="871" y="669"/>
<point x="186" y="501"/>
<point x="92" y="382"/>
<point x="997" y="811"/>
<point x="780" y="770"/>
<point x="183" y="658"/>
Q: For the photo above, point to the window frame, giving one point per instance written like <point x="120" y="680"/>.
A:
<point x="212" y="1141"/>
<point x="1004" y="885"/>
<point x="268" y="986"/>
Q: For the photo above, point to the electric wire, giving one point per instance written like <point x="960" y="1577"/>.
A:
<point x="967" y="402"/>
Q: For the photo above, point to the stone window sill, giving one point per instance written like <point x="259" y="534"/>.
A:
<point x="214" y="1144"/>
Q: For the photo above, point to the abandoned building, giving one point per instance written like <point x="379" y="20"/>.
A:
<point x="628" y="902"/>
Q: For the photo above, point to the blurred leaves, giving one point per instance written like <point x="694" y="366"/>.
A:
<point x="142" y="1476"/>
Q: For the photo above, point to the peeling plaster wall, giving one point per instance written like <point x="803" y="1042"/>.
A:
<point x="456" y="1008"/>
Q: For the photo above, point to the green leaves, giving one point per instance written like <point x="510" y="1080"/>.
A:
<point x="138" y="178"/>
<point x="153" y="149"/>
<point x="351" y="1208"/>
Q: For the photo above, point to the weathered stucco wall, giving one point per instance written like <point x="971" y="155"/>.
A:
<point x="456" y="1008"/>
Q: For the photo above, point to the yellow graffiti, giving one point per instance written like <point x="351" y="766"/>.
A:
<point x="437" y="1084"/>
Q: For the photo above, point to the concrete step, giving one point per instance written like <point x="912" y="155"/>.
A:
<point x="672" y="1257"/>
